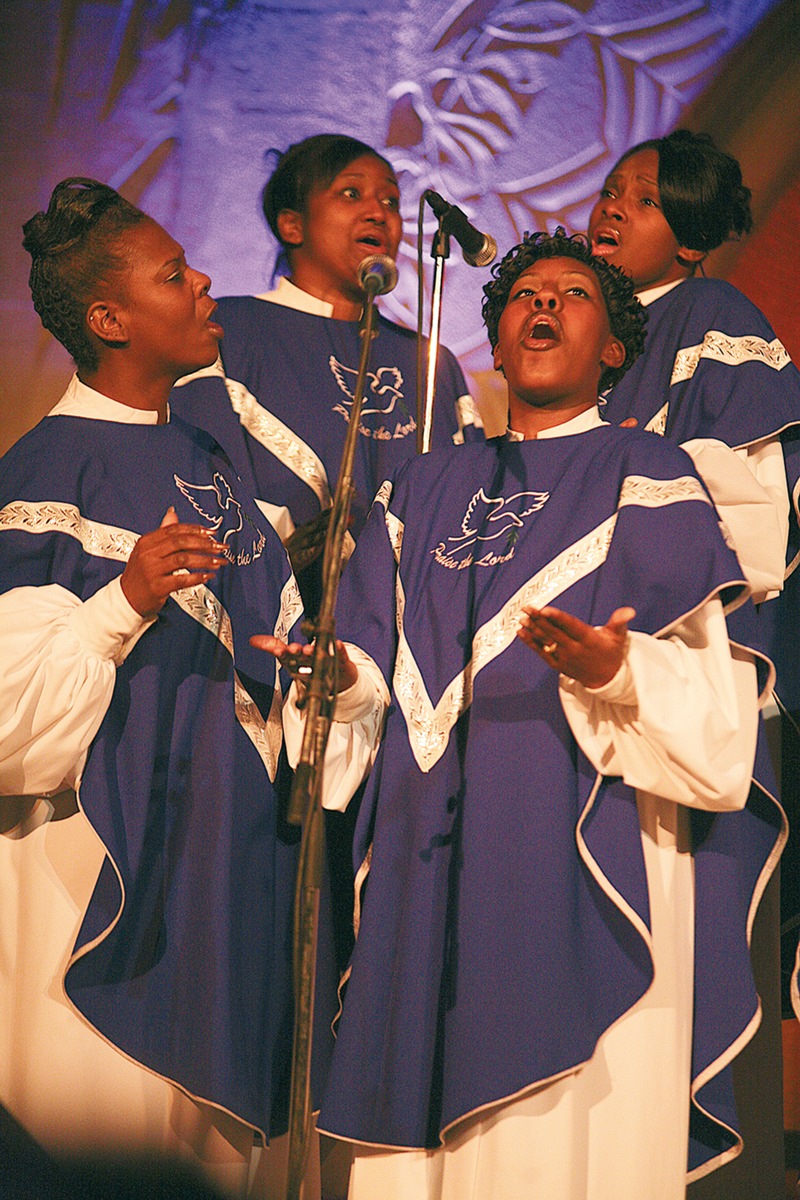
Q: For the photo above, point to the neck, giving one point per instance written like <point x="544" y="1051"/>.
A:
<point x="127" y="386"/>
<point x="530" y="420"/>
<point x="676" y="274"/>
<point x="345" y="307"/>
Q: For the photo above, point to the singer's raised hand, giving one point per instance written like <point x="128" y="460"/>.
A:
<point x="172" y="557"/>
<point x="590" y="654"/>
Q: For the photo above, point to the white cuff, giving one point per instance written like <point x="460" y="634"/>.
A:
<point x="620" y="689"/>
<point x="355" y="701"/>
<point x="106" y="624"/>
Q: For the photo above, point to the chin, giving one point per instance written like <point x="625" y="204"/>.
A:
<point x="209" y="358"/>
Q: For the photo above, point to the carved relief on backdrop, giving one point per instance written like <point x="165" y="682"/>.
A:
<point x="514" y="110"/>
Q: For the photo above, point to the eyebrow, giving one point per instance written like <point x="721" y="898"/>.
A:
<point x="346" y="174"/>
<point x="178" y="260"/>
<point x="576" y="272"/>
<point x="640" y="178"/>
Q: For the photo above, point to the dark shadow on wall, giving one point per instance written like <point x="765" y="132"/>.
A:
<point x="751" y="111"/>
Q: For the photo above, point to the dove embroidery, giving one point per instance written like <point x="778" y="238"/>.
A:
<point x="384" y="396"/>
<point x="214" y="502"/>
<point x="488" y="518"/>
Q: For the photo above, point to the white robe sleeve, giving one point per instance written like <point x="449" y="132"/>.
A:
<point x="680" y="718"/>
<point x="60" y="657"/>
<point x="355" y="732"/>
<point x="749" y="489"/>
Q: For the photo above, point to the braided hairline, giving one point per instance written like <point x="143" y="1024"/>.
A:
<point x="73" y="246"/>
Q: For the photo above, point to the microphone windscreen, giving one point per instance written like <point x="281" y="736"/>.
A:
<point x="377" y="274"/>
<point x="487" y="253"/>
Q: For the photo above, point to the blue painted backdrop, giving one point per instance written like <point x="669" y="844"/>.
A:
<point x="514" y="109"/>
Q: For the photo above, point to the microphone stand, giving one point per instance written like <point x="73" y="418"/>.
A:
<point x="440" y="252"/>
<point x="305" y="806"/>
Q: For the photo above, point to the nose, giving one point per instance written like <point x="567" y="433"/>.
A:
<point x="613" y="208"/>
<point x="374" y="210"/>
<point x="546" y="298"/>
<point x="201" y="282"/>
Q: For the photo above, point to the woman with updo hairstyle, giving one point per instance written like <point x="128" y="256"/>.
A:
<point x="72" y="246"/>
<point x="280" y="396"/>
<point x="713" y="370"/>
<point x="145" y="991"/>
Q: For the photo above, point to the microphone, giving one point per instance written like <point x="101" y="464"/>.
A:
<point x="479" y="249"/>
<point x="377" y="274"/>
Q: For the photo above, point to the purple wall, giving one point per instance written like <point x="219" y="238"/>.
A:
<point x="513" y="110"/>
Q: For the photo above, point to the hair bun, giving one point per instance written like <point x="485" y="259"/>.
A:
<point x="74" y="208"/>
<point x="72" y="245"/>
<point x="702" y="194"/>
<point x="37" y="233"/>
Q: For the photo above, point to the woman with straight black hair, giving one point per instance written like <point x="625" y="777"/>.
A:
<point x="713" y="370"/>
<point x="280" y="396"/>
<point x="714" y="376"/>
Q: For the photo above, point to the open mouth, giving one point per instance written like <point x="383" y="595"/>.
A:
<point x="605" y="239"/>
<point x="544" y="329"/>
<point x="372" y="242"/>
<point x="213" y="326"/>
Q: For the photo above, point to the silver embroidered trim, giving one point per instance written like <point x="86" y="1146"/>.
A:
<point x="280" y="440"/>
<point x="104" y="541"/>
<point x="291" y="609"/>
<point x="109" y="541"/>
<point x="733" y="351"/>
<point x="200" y="603"/>
<point x="384" y="493"/>
<point x="266" y="736"/>
<point x="655" y="493"/>
<point x="658" y="423"/>
<point x="395" y="528"/>
<point x="429" y="728"/>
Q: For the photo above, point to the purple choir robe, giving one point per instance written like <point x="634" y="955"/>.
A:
<point x="493" y="950"/>
<point x="183" y="960"/>
<point x="713" y="368"/>
<point x="300" y="370"/>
